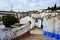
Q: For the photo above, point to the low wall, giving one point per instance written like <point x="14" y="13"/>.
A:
<point x="15" y="33"/>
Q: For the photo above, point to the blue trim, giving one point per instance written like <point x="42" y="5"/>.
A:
<point x="44" y="33"/>
<point x="58" y="39"/>
<point x="50" y="34"/>
<point x="57" y="36"/>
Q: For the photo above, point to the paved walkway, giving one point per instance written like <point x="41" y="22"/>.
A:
<point x="36" y="31"/>
<point x="37" y="37"/>
<point x="37" y="34"/>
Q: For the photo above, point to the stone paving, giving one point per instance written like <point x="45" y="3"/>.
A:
<point x="37" y="34"/>
<point x="36" y="31"/>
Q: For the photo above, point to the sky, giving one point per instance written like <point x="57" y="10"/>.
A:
<point x="27" y="5"/>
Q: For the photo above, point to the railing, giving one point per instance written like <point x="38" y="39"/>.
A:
<point x="10" y="33"/>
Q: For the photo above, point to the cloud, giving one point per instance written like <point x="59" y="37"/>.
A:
<point x="32" y="4"/>
<point x="21" y="2"/>
<point x="17" y="7"/>
<point x="4" y="5"/>
<point x="24" y="5"/>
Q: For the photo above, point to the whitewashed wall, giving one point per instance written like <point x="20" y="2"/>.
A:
<point x="21" y="30"/>
<point x="52" y="24"/>
<point x="13" y="32"/>
<point x="26" y="20"/>
<point x="32" y="23"/>
<point x="36" y="15"/>
<point x="48" y="24"/>
<point x="2" y="34"/>
<point x="57" y="25"/>
<point x="39" y="23"/>
<point x="45" y="24"/>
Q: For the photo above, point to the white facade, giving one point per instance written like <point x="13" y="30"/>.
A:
<point x="37" y="16"/>
<point x="26" y="20"/>
<point x="39" y="23"/>
<point x="57" y="25"/>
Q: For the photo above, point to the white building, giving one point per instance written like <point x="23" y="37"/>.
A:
<point x="16" y="14"/>
<point x="37" y="17"/>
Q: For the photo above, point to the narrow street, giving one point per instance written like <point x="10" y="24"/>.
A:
<point x="36" y="34"/>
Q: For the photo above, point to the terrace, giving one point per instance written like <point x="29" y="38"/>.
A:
<point x="24" y="32"/>
<point x="14" y="33"/>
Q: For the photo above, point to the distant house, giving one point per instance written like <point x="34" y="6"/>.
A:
<point x="50" y="11"/>
<point x="26" y="20"/>
<point x="47" y="11"/>
<point x="3" y="13"/>
<point x="37" y="17"/>
<point x="16" y="14"/>
<point x="23" y="14"/>
<point x="58" y="11"/>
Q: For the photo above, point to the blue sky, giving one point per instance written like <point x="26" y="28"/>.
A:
<point x="26" y="5"/>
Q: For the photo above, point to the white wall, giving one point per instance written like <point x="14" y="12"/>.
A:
<point x="36" y="15"/>
<point x="39" y="23"/>
<point x="52" y="24"/>
<point x="57" y="25"/>
<point x="26" y="20"/>
<point x="48" y="24"/>
<point x="2" y="34"/>
<point x="17" y="31"/>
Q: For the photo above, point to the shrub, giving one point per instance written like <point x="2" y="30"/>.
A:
<point x="30" y="22"/>
<point x="9" y="20"/>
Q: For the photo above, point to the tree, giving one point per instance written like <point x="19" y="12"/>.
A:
<point x="52" y="8"/>
<point x="58" y="8"/>
<point x="49" y="8"/>
<point x="9" y="20"/>
<point x="55" y="7"/>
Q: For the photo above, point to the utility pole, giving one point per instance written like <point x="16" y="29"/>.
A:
<point x="11" y="5"/>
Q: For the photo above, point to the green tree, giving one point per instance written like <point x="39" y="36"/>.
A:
<point x="55" y="7"/>
<point x="9" y="20"/>
<point x="49" y="8"/>
<point x="58" y="8"/>
<point x="52" y="8"/>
